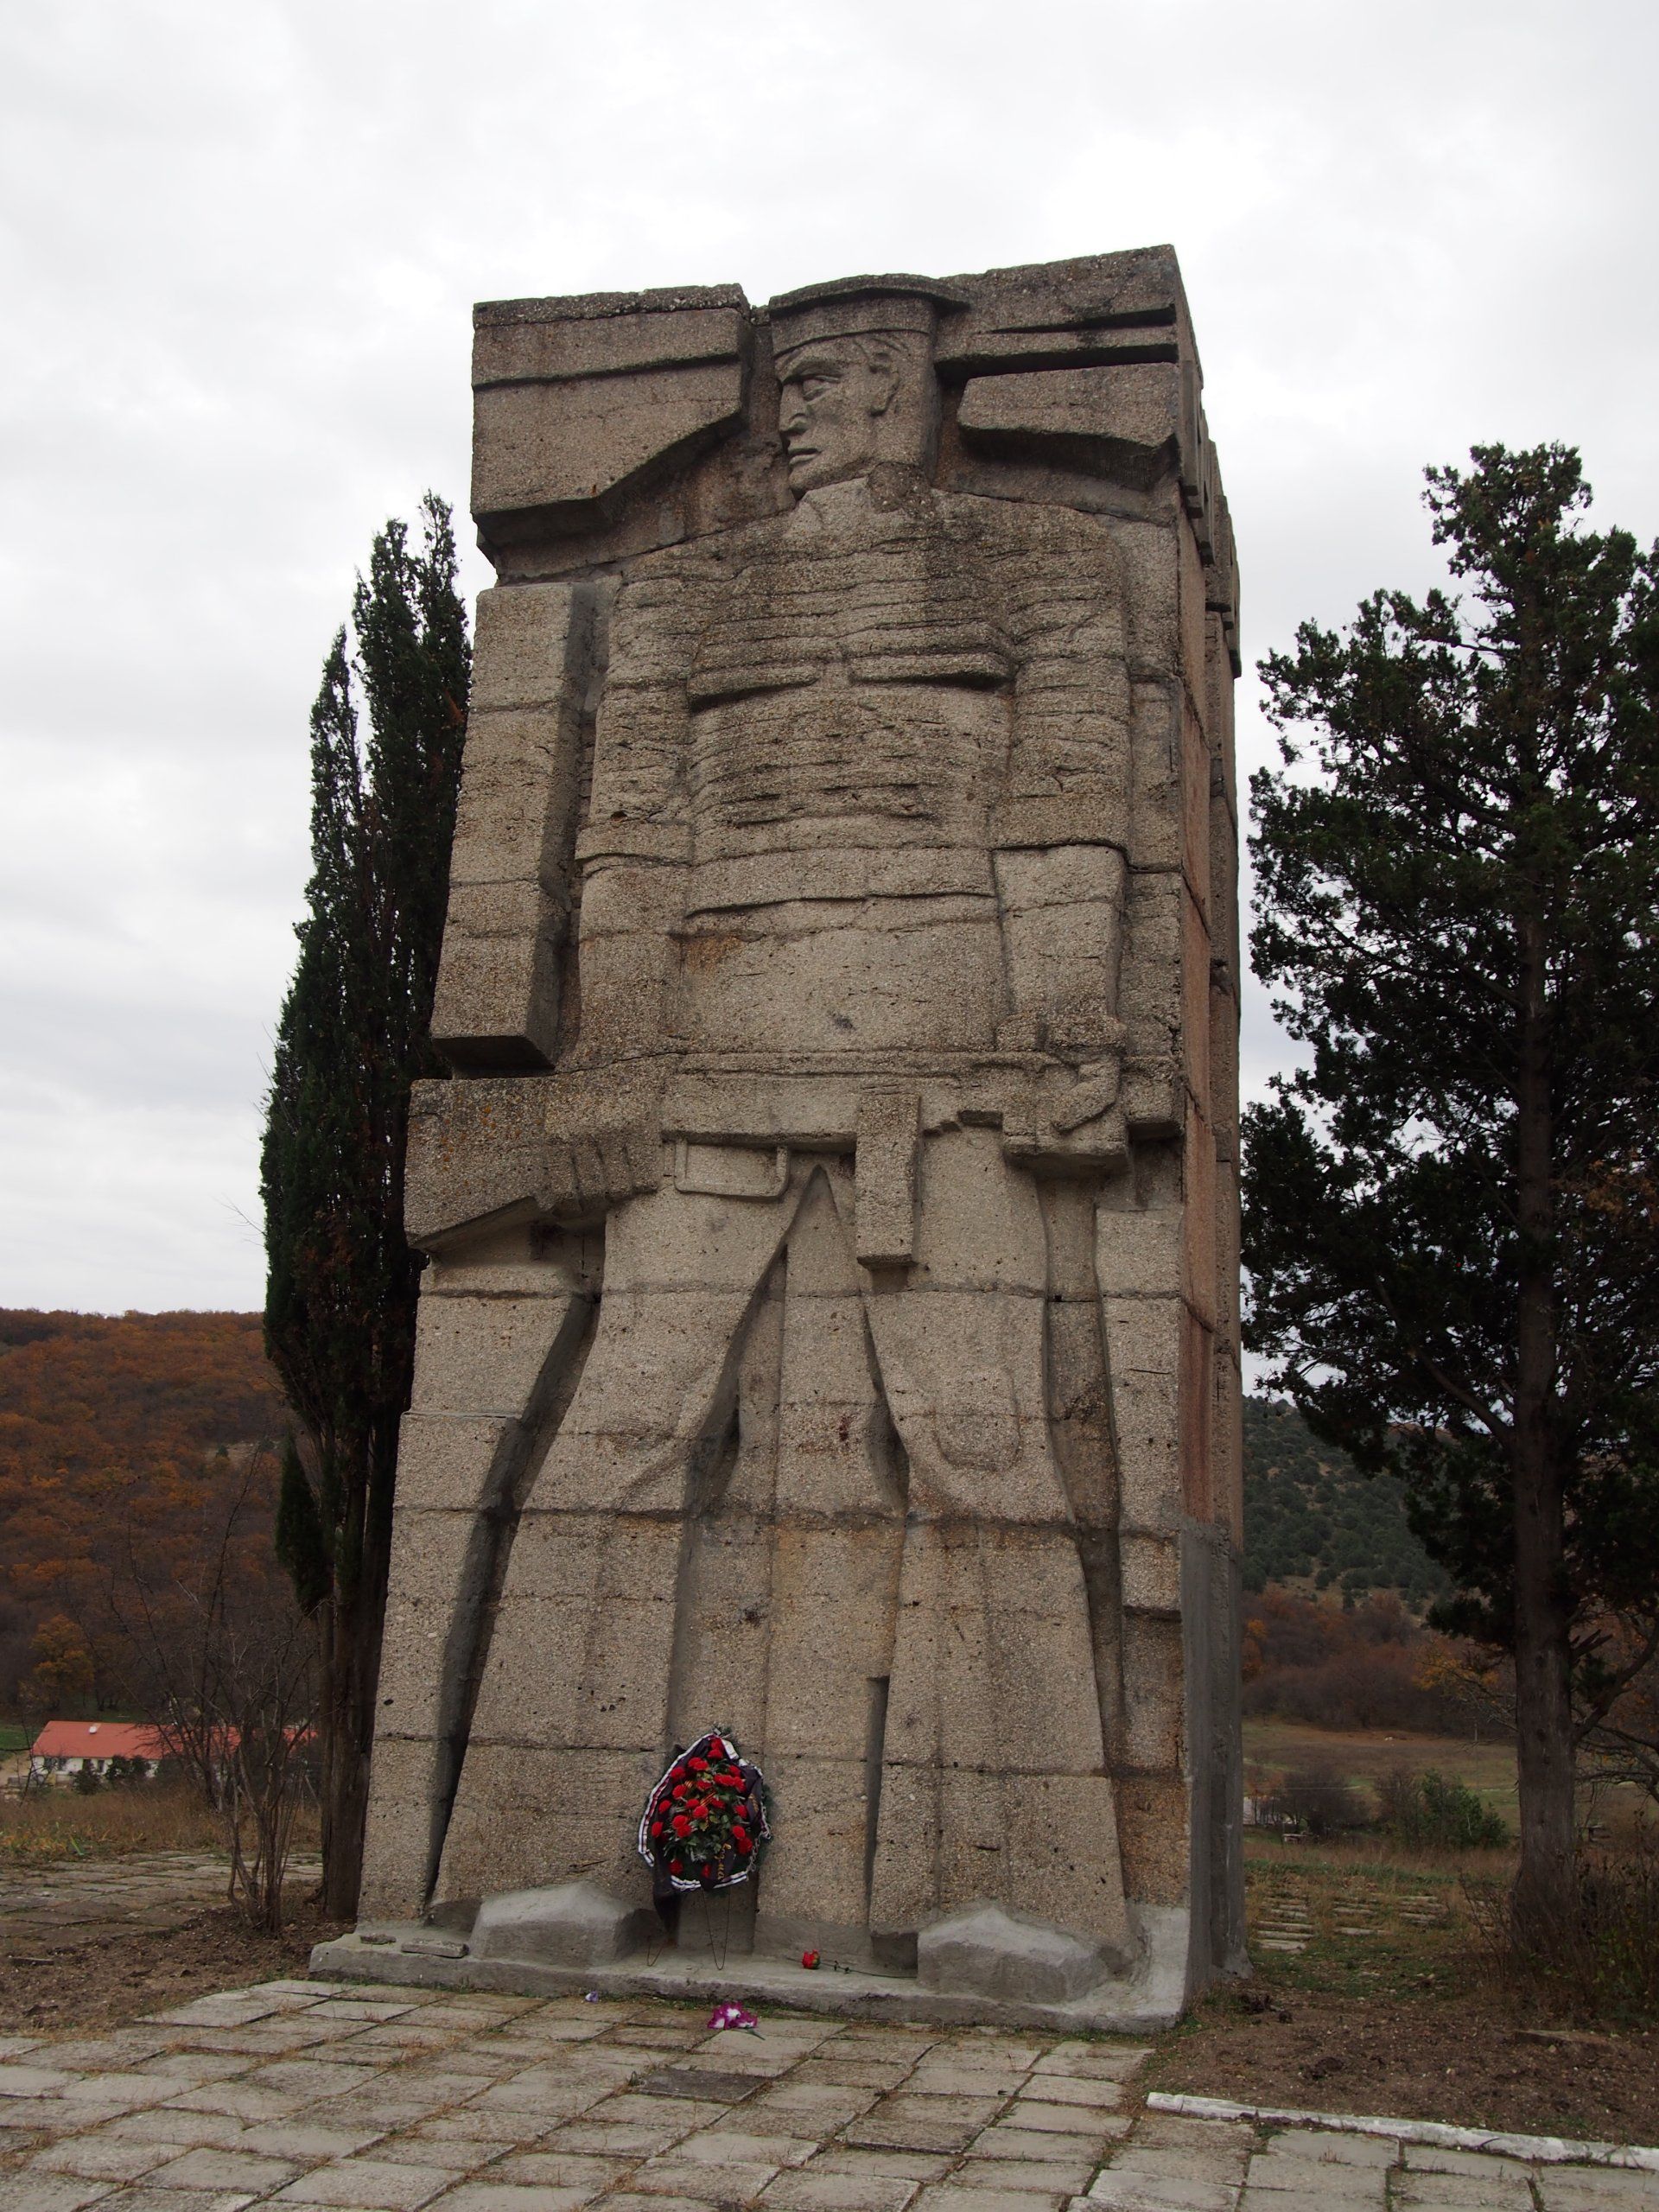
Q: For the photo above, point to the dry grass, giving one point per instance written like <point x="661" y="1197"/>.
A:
<point x="113" y="1823"/>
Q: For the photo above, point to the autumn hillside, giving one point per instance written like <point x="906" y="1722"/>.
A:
<point x="95" y="1410"/>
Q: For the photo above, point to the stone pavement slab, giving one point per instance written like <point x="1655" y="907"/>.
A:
<point x="392" y="2103"/>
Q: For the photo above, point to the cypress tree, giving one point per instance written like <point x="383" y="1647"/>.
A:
<point x="342" y="1283"/>
<point x="1449" y="1221"/>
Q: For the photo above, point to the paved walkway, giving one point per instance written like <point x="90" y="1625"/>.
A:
<point x="77" y="1901"/>
<point x="382" y="2100"/>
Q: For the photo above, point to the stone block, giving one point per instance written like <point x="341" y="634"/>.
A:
<point x="1121" y="421"/>
<point x="987" y="1952"/>
<point x="571" y="1924"/>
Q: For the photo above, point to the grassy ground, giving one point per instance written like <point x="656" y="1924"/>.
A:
<point x="62" y="1824"/>
<point x="1276" y="1747"/>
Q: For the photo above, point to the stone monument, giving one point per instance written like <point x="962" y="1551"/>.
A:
<point x="830" y="1333"/>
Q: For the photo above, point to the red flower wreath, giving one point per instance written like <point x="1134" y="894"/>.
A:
<point x="708" y="1810"/>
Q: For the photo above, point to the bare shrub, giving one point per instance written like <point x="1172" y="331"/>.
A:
<point x="224" y="1661"/>
<point x="1319" y="1799"/>
<point x="1599" y="1963"/>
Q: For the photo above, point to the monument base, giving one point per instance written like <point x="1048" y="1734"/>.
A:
<point x="1152" y="1994"/>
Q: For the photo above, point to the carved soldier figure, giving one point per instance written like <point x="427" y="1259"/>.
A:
<point x="832" y="1465"/>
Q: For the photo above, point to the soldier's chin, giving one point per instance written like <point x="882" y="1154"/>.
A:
<point x="807" y="471"/>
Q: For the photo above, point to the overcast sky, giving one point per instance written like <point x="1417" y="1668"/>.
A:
<point x="240" y="247"/>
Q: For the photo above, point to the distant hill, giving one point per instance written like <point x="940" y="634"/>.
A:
<point x="96" y="1411"/>
<point x="1313" y="1522"/>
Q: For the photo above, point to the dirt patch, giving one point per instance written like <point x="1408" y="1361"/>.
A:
<point x="103" y="1985"/>
<point x="1464" y="2062"/>
<point x="1375" y="1990"/>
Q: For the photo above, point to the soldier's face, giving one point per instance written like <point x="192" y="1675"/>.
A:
<point x="830" y="402"/>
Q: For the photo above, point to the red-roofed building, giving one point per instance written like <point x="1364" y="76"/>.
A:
<point x="64" y="1747"/>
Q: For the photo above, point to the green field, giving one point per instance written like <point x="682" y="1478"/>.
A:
<point x="1276" y="1747"/>
<point x="12" y="1737"/>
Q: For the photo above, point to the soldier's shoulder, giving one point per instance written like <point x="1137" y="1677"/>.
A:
<point x="1036" y="529"/>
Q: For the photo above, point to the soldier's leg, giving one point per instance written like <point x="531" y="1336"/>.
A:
<point x="994" y="1787"/>
<point x="572" y="1710"/>
<point x="502" y="1316"/>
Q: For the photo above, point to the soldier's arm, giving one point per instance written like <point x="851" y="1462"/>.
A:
<point x="1062" y="826"/>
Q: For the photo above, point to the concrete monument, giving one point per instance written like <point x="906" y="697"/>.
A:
<point x="829" y="1334"/>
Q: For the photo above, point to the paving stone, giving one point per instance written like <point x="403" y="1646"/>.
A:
<point x="1034" y="2112"/>
<point x="850" y="2070"/>
<point x="899" y="2165"/>
<point x="1132" y="2192"/>
<point x="1583" y="2189"/>
<point x="1072" y="2089"/>
<point x="1329" y="2146"/>
<point x="1042" y="2175"/>
<point x="1344" y="2184"/>
<point x="498" y="2125"/>
<point x="902" y="2122"/>
<point x="20" y="2081"/>
<point x="1174" y="2131"/>
<point x="1093" y="2061"/>
<point x="168" y="2124"/>
<point x="1222" y="2163"/>
<point x="1494" y="2192"/>
<point x="1424" y="2158"/>
<point x="33" y="2192"/>
<point x="101" y="2157"/>
<point x="233" y="2169"/>
<point x="725" y="2145"/>
<point x="946" y="2198"/>
<point x="307" y="2139"/>
<point x="1040" y="2148"/>
<point x="738" y="2184"/>
<point x="632" y="2201"/>
<point x="459" y="2156"/>
<point x="632" y="2141"/>
<point x="813" y="2189"/>
<point x="512" y="2196"/>
<point x="796" y="2107"/>
<point x="556" y="2170"/>
<point x="367" y="2186"/>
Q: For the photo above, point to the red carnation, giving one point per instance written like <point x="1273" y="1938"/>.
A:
<point x="682" y="1826"/>
<point x="697" y="1766"/>
<point x="742" y="1842"/>
<point x="677" y="1774"/>
<point x="809" y="1958"/>
<point x="677" y="1866"/>
<point x="678" y="1790"/>
<point x="656" y="1828"/>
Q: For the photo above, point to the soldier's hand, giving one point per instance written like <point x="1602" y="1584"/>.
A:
<point x="586" y="1176"/>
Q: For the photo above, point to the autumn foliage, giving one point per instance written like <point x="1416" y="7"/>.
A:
<point x="1370" y="1665"/>
<point x="118" y="1434"/>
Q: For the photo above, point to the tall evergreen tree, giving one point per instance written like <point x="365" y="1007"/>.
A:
<point x="340" y="1303"/>
<point x="1449" y="1217"/>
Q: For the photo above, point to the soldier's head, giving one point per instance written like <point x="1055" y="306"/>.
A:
<point x="849" y="401"/>
<point x="855" y="375"/>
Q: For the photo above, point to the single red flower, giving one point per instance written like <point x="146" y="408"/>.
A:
<point x="656" y="1828"/>
<point x="682" y="1826"/>
<point x="809" y="1958"/>
<point x="697" y="1766"/>
<point x="742" y="1842"/>
<point x="678" y="1790"/>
